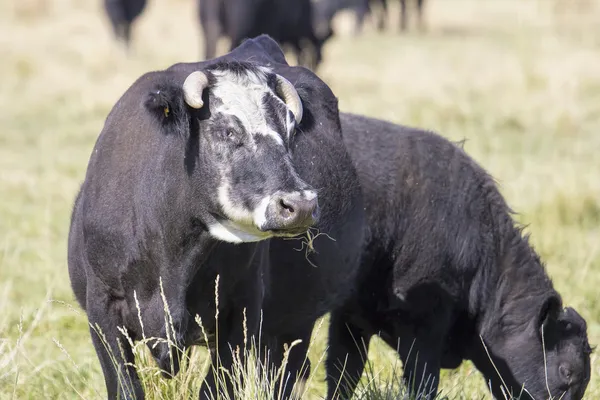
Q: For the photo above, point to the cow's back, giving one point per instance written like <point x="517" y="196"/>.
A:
<point x="427" y="204"/>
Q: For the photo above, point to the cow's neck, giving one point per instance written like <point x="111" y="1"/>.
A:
<point x="514" y="289"/>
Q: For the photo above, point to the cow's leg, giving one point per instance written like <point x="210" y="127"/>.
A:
<point x="347" y="356"/>
<point x="362" y="10"/>
<point x="419" y="340"/>
<point x="301" y="57"/>
<point x="291" y="381"/>
<point x="317" y="53"/>
<point x="383" y="12"/>
<point x="403" y="15"/>
<point x="211" y="27"/>
<point x="127" y="34"/>
<point x="422" y="26"/>
<point x="217" y="383"/>
<point x="114" y="352"/>
<point x="212" y="31"/>
<point x="237" y="327"/>
<point x="421" y="360"/>
<point x="239" y="25"/>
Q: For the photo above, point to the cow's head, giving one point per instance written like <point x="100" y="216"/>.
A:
<point x="547" y="358"/>
<point x="240" y="121"/>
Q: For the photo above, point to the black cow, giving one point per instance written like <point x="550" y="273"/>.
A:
<point x="288" y="22"/>
<point x="196" y="168"/>
<point x="122" y="13"/>
<point x="447" y="276"/>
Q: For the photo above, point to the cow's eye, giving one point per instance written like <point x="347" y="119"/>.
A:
<point x="229" y="134"/>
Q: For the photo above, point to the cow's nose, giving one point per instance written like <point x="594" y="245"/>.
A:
<point x="292" y="211"/>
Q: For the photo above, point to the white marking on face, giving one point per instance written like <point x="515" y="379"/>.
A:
<point x="244" y="220"/>
<point x="231" y="210"/>
<point x="242" y="97"/>
<point x="229" y="231"/>
<point x="309" y="194"/>
<point x="260" y="212"/>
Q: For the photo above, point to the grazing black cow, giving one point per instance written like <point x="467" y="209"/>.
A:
<point x="122" y="13"/>
<point x="196" y="168"/>
<point x="447" y="275"/>
<point x="288" y="22"/>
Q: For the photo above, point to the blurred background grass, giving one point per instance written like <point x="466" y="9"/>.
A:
<point x="518" y="79"/>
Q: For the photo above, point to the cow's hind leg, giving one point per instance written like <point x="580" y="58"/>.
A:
<point x="348" y="347"/>
<point x="116" y="357"/>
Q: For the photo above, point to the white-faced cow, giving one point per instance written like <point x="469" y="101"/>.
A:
<point x="288" y="22"/>
<point x="448" y="276"/>
<point x="196" y="169"/>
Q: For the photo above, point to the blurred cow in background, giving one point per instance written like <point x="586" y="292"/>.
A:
<point x="122" y="13"/>
<point x="325" y="11"/>
<point x="288" y="22"/>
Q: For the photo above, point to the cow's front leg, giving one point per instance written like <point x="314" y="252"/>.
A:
<point x="293" y="347"/>
<point x="105" y="315"/>
<point x="236" y="330"/>
<point x="217" y="383"/>
<point x="348" y="347"/>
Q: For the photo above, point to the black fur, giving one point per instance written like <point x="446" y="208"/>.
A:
<point x="140" y="220"/>
<point x="446" y="267"/>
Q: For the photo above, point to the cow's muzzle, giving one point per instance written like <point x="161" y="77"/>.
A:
<point x="291" y="213"/>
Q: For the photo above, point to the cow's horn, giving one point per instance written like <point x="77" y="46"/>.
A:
<point x="288" y="93"/>
<point x="193" y="87"/>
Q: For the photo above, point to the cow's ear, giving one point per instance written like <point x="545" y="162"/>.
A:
<point x="165" y="103"/>
<point x="549" y="313"/>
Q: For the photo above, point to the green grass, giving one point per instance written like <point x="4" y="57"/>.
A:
<point x="518" y="79"/>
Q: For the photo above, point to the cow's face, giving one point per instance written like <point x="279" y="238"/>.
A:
<point x="243" y="120"/>
<point x="550" y="358"/>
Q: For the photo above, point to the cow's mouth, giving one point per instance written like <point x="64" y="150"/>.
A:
<point x="288" y="232"/>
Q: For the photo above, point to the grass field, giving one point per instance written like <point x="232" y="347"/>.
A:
<point x="519" y="79"/>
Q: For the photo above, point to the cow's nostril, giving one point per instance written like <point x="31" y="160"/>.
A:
<point x="286" y="208"/>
